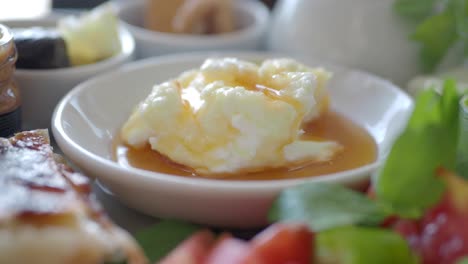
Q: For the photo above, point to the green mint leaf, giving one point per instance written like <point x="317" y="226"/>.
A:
<point x="407" y="184"/>
<point x="362" y="245"/>
<point x="436" y="35"/>
<point x="325" y="206"/>
<point x="158" y="240"/>
<point x="415" y="9"/>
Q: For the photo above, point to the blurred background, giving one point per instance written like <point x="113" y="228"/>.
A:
<point x="37" y="8"/>
<point x="92" y="3"/>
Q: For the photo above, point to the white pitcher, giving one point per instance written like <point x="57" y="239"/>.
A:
<point x="364" y="34"/>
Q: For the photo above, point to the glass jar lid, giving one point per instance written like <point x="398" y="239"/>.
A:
<point x="7" y="46"/>
<point x="5" y="36"/>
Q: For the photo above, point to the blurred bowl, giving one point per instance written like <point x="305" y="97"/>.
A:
<point x="251" y="19"/>
<point x="41" y="90"/>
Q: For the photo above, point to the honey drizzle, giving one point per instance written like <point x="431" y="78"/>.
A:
<point x="359" y="149"/>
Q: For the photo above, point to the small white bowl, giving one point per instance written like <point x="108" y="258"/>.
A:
<point x="251" y="17"/>
<point x="41" y="90"/>
<point x="88" y="118"/>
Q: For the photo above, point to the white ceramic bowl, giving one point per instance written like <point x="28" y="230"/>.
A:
<point x="42" y="89"/>
<point x="251" y="17"/>
<point x="362" y="34"/>
<point x="88" y="118"/>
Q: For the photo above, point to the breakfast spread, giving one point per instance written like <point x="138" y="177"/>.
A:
<point x="75" y="41"/>
<point x="47" y="212"/>
<point x="10" y="99"/>
<point x="322" y="223"/>
<point x="190" y="16"/>
<point x="235" y="119"/>
<point x="234" y="116"/>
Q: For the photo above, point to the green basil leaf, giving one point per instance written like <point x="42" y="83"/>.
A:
<point x="463" y="260"/>
<point x="362" y="245"/>
<point x="415" y="9"/>
<point x="158" y="240"/>
<point x="407" y="184"/>
<point x="325" y="206"/>
<point x="436" y="35"/>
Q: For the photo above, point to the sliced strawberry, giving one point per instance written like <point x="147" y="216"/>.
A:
<point x="284" y="244"/>
<point x="409" y="229"/>
<point x="441" y="236"/>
